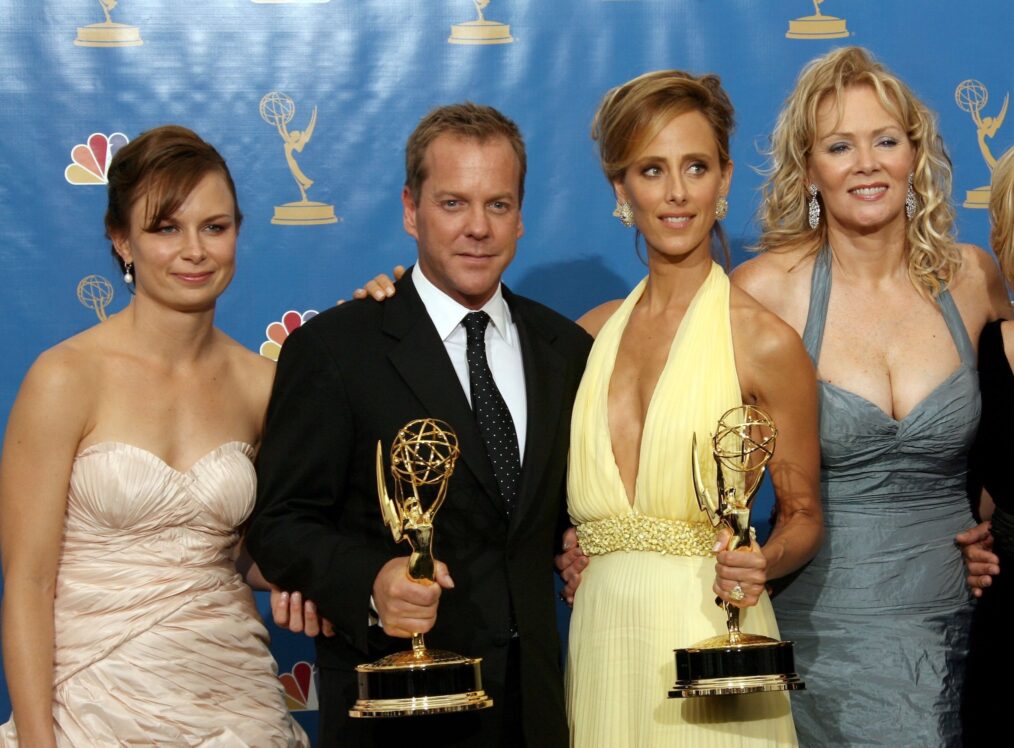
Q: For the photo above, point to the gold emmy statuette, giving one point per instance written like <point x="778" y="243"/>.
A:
<point x="817" y="26"/>
<point x="971" y="96"/>
<point x="480" y="31"/>
<point x="107" y="33"/>
<point x="277" y="109"/>
<point x="419" y="681"/>
<point x="95" y="292"/>
<point x="735" y="662"/>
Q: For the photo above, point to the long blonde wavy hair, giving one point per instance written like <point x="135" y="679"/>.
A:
<point x="933" y="255"/>
<point x="1001" y="214"/>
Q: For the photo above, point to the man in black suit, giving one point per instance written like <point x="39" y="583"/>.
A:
<point x="355" y="375"/>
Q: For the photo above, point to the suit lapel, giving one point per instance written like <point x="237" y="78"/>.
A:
<point x="422" y="361"/>
<point x="544" y="384"/>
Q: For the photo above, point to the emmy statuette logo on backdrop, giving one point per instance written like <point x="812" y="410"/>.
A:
<point x="480" y="31"/>
<point x="817" y="26"/>
<point x="95" y="292"/>
<point x="107" y="33"/>
<point x="972" y="96"/>
<point x="278" y="109"/>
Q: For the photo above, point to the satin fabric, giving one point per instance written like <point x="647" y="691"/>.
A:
<point x="158" y="640"/>
<point x="880" y="616"/>
<point x="634" y="607"/>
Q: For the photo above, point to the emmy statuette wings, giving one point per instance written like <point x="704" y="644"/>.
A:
<point x="418" y="681"/>
<point x="972" y="96"/>
<point x="735" y="662"/>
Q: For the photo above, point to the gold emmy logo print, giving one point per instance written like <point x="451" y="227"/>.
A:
<point x="95" y="292"/>
<point x="817" y="26"/>
<point x="972" y="96"/>
<point x="278" y="109"/>
<point x="480" y="31"/>
<point x="107" y="33"/>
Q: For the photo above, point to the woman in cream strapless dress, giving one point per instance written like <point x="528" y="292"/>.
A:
<point x="126" y="474"/>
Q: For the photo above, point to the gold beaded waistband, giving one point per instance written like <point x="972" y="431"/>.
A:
<point x="639" y="532"/>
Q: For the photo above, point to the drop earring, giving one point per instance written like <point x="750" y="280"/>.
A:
<point x="128" y="273"/>
<point x="813" y="208"/>
<point x="721" y="207"/>
<point x="624" y="212"/>
<point x="911" y="201"/>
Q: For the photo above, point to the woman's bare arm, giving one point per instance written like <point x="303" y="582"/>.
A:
<point x="43" y="433"/>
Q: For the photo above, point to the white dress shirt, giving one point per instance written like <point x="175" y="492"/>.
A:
<point x="503" y="346"/>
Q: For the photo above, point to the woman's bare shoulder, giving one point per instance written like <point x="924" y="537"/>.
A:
<point x="779" y="281"/>
<point x="762" y="332"/>
<point x="593" y="320"/>
<point x="978" y="286"/>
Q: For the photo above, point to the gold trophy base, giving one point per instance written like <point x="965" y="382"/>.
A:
<point x="717" y="667"/>
<point x="411" y="684"/>
<point x="306" y="213"/>
<point x="108" y="35"/>
<point x="977" y="198"/>
<point x="480" y="32"/>
<point x="817" y="27"/>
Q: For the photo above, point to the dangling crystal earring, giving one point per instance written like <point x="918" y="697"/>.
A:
<point x="911" y="201"/>
<point x="721" y="207"/>
<point x="813" y="208"/>
<point x="625" y="213"/>
<point x="128" y="273"/>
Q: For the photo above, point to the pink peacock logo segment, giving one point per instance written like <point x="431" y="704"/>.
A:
<point x="300" y="688"/>
<point x="278" y="332"/>
<point x="90" y="160"/>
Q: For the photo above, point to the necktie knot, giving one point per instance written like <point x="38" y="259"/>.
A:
<point x="475" y="324"/>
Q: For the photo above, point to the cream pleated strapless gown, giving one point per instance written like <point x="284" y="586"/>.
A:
<point x="158" y="641"/>
<point x="647" y="588"/>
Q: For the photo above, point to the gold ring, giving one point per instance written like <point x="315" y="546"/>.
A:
<point x="736" y="593"/>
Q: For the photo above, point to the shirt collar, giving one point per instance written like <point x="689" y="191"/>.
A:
<point x="447" y="313"/>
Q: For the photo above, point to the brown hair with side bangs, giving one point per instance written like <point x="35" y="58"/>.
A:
<point x="162" y="166"/>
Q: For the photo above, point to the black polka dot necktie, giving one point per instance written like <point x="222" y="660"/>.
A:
<point x="495" y="422"/>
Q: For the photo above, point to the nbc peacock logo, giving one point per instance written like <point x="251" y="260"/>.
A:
<point x="278" y="332"/>
<point x="300" y="688"/>
<point x="90" y="160"/>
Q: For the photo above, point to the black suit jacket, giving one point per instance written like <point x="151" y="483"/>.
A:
<point x="356" y="374"/>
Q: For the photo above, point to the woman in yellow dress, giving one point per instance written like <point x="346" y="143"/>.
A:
<point x="668" y="361"/>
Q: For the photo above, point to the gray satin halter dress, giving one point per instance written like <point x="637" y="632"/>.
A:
<point x="880" y="616"/>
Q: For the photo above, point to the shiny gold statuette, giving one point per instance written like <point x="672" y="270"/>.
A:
<point x="735" y="663"/>
<point x="420" y="681"/>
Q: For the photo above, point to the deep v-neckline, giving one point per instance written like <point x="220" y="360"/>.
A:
<point x="821" y="282"/>
<point x="627" y="308"/>
<point x="926" y="399"/>
<point x="245" y="447"/>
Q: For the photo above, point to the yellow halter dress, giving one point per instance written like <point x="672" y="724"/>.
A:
<point x="647" y="588"/>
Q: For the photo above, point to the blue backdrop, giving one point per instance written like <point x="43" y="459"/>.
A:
<point x="364" y="71"/>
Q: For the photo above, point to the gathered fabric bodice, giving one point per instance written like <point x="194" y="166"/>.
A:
<point x="157" y="638"/>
